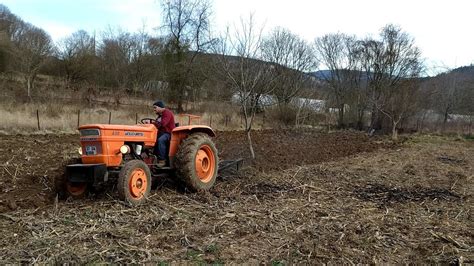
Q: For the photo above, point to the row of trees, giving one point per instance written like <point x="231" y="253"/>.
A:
<point x="113" y="58"/>
<point x="379" y="75"/>
<point x="23" y="47"/>
<point x="376" y="77"/>
<point x="448" y="95"/>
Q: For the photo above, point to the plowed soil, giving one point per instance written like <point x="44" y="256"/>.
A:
<point x="309" y="197"/>
<point x="31" y="162"/>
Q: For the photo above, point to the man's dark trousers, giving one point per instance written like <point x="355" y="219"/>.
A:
<point x="161" y="147"/>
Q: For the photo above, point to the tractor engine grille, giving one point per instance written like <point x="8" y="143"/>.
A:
<point x="91" y="148"/>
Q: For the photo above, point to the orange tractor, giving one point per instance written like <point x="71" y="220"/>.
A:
<point x="123" y="155"/>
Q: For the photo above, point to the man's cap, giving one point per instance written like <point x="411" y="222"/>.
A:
<point x="159" y="104"/>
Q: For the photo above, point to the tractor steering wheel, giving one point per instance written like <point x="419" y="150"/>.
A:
<point x="149" y="120"/>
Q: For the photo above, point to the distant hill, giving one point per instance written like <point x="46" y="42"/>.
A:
<point x="327" y="74"/>
<point x="322" y="74"/>
<point x="465" y="70"/>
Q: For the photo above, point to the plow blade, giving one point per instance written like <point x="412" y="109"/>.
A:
<point x="231" y="164"/>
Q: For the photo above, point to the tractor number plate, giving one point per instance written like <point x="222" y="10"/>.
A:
<point x="91" y="150"/>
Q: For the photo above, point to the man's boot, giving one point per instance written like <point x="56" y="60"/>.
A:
<point x="161" y="163"/>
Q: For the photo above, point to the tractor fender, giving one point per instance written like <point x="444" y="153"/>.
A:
<point x="194" y="128"/>
<point x="180" y="133"/>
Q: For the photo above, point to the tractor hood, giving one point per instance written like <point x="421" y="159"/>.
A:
<point x="144" y="127"/>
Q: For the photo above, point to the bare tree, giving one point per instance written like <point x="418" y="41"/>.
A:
<point x="12" y="28"/>
<point x="140" y="61"/>
<point x="400" y="103"/>
<point x="340" y="53"/>
<point x="6" y="20"/>
<point x="186" y="25"/>
<point x="4" y="48"/>
<point x="77" y="55"/>
<point x="448" y="94"/>
<point x="117" y="53"/>
<point x="389" y="63"/>
<point x="466" y="104"/>
<point x="239" y="64"/>
<point x="32" y="49"/>
<point x="292" y="58"/>
<point x="459" y="93"/>
<point x="307" y="105"/>
<point x="10" y="24"/>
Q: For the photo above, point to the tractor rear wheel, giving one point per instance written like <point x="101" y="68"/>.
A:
<point x="134" y="182"/>
<point x="196" y="162"/>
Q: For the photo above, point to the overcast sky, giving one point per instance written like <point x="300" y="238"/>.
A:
<point x="442" y="29"/>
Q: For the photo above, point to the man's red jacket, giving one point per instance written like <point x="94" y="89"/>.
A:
<point x="167" y="122"/>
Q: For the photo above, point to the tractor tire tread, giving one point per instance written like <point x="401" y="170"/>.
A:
<point x="185" y="161"/>
<point x="123" y="180"/>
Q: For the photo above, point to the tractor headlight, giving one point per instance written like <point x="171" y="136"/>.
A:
<point x="125" y="149"/>
<point x="79" y="150"/>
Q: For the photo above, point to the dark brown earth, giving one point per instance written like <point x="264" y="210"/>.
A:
<point x="279" y="150"/>
<point x="30" y="162"/>
<point x="309" y="198"/>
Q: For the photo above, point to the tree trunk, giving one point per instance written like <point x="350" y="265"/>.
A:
<point x="341" y="116"/>
<point x="373" y="118"/>
<point x="445" y="119"/>
<point x="28" y="88"/>
<point x="394" y="131"/>
<point x="469" y="132"/>
<point x="29" y="85"/>
<point x="297" y="117"/>
<point x="177" y="92"/>
<point x="250" y="144"/>
<point x="360" y="119"/>
<point x="420" y="123"/>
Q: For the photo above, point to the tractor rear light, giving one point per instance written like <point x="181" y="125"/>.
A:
<point x="125" y="149"/>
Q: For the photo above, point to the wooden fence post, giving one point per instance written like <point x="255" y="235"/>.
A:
<point x="38" y="118"/>
<point x="110" y="117"/>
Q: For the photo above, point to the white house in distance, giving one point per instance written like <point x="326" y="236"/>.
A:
<point x="270" y="100"/>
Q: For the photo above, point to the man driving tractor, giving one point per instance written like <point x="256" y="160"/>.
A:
<point x="124" y="155"/>
<point x="165" y="124"/>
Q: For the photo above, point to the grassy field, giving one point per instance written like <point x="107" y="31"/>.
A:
<point x="60" y="117"/>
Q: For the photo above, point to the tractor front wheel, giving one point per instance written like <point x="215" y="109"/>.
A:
<point x="65" y="188"/>
<point x="76" y="189"/>
<point x="197" y="162"/>
<point x="134" y="182"/>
